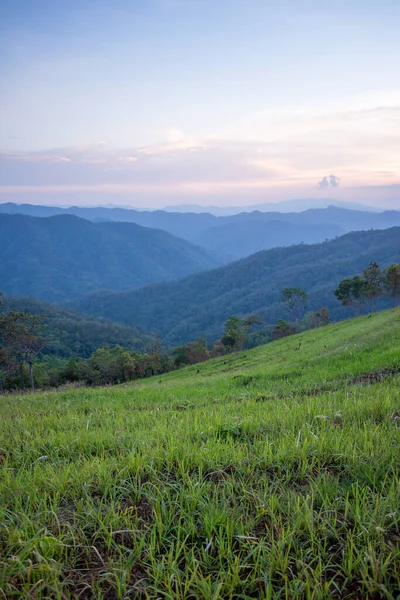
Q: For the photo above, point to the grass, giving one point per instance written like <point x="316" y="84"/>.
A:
<point x="273" y="473"/>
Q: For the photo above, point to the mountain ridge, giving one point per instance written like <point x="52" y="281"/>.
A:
<point x="314" y="225"/>
<point x="61" y="257"/>
<point x="199" y="304"/>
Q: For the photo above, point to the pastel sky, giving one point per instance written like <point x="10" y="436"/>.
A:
<point x="154" y="102"/>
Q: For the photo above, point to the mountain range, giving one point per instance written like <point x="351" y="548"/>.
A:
<point x="197" y="305"/>
<point x="295" y="205"/>
<point x="63" y="257"/>
<point x="233" y="236"/>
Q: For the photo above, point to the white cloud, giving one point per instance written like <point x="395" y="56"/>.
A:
<point x="329" y="181"/>
<point x="127" y="160"/>
<point x="271" y="150"/>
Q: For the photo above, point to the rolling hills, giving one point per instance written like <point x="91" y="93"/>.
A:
<point x="271" y="473"/>
<point x="234" y="236"/>
<point x="63" y="257"/>
<point x="183" y="310"/>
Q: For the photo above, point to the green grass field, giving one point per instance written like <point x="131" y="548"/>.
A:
<point x="273" y="473"/>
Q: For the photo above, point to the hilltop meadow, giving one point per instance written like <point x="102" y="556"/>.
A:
<point x="271" y="473"/>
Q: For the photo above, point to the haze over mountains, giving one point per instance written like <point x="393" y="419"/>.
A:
<point x="63" y="257"/>
<point x="296" y="205"/>
<point x="233" y="236"/>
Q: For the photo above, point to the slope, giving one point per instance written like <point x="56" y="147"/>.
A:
<point x="184" y="310"/>
<point x="64" y="257"/>
<point x="245" y="237"/>
<point x="67" y="333"/>
<point x="267" y="474"/>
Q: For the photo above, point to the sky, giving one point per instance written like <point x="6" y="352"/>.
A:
<point x="225" y="102"/>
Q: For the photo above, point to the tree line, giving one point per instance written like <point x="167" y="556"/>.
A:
<point x="21" y="342"/>
<point x="374" y="283"/>
<point x="356" y="292"/>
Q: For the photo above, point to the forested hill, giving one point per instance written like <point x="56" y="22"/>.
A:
<point x="184" y="310"/>
<point x="66" y="333"/>
<point x="64" y="257"/>
<point x="242" y="238"/>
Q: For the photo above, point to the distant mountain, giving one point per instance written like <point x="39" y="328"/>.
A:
<point x="67" y="333"/>
<point x="187" y="226"/>
<point x="242" y="238"/>
<point x="237" y="235"/>
<point x="296" y="205"/>
<point x="63" y="257"/>
<point x="184" y="310"/>
<point x="246" y="233"/>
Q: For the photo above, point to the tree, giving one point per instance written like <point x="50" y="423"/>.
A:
<point x="296" y="301"/>
<point x="391" y="282"/>
<point x="4" y="357"/>
<point x="373" y="283"/>
<point x="315" y="319"/>
<point x="237" y="331"/>
<point x="248" y="323"/>
<point x="234" y="336"/>
<point x="350" y="292"/>
<point x="191" y="353"/>
<point x="20" y="341"/>
<point x="283" y="329"/>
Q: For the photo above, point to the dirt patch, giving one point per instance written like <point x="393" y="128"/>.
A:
<point x="392" y="536"/>
<point x="376" y="376"/>
<point x="181" y="407"/>
<point x="220" y="475"/>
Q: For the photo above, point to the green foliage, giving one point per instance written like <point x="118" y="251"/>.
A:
<point x="315" y="319"/>
<point x="234" y="336"/>
<point x="391" y="281"/>
<point x="19" y="342"/>
<point x="283" y="329"/>
<point x="351" y="292"/>
<point x="191" y="353"/>
<point x="67" y="333"/>
<point x="237" y="331"/>
<point x="181" y="311"/>
<point x="296" y="302"/>
<point x="267" y="474"/>
<point x="104" y="367"/>
<point x="358" y="290"/>
<point x="372" y="283"/>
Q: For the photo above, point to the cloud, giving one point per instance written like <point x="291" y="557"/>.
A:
<point x="34" y="157"/>
<point x="324" y="183"/>
<point x="285" y="150"/>
<point x="174" y="140"/>
<point x="329" y="181"/>
<point x="127" y="160"/>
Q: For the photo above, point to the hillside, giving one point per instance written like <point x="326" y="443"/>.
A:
<point x="243" y="238"/>
<point x="184" y="310"/>
<point x="63" y="257"/>
<point x="266" y="474"/>
<point x="67" y="333"/>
